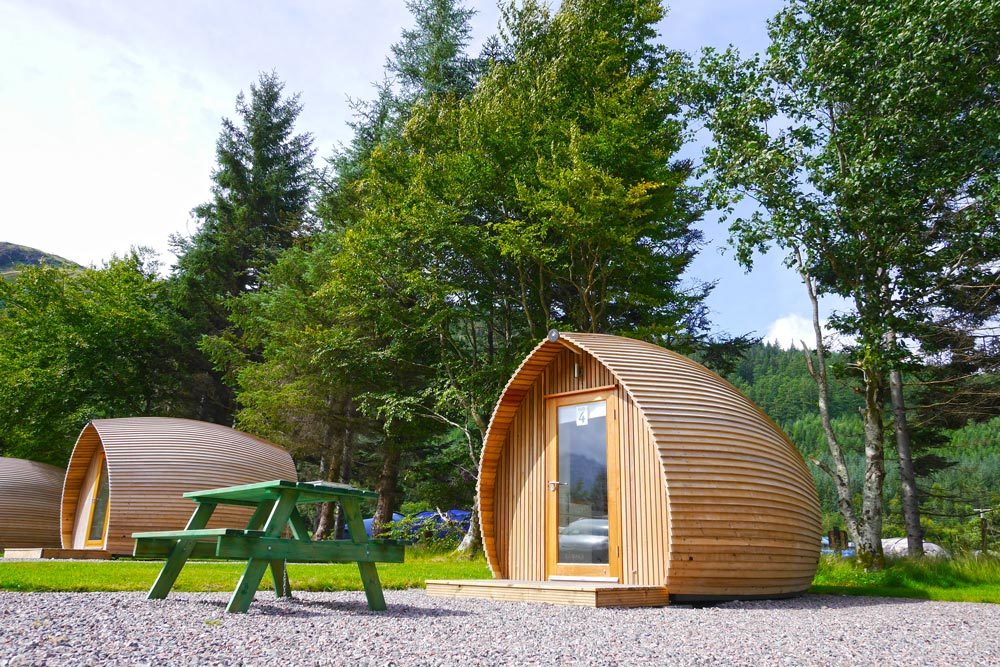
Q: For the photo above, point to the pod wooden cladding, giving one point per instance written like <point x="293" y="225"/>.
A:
<point x="715" y="499"/>
<point x="151" y="462"/>
<point x="29" y="504"/>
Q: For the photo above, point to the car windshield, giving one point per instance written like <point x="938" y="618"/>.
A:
<point x="587" y="527"/>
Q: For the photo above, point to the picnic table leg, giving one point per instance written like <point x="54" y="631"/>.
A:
<point x="369" y="574"/>
<point x="260" y="515"/>
<point x="279" y="573"/>
<point x="179" y="554"/>
<point x="254" y="572"/>
<point x="279" y="568"/>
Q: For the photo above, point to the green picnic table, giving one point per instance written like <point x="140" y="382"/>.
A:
<point x="262" y="543"/>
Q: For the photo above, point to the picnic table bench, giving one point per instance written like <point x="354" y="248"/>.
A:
<point x="262" y="543"/>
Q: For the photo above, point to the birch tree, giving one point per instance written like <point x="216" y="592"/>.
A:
<point x="866" y="138"/>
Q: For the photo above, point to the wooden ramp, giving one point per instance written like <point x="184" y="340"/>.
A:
<point x="76" y="554"/>
<point x="580" y="593"/>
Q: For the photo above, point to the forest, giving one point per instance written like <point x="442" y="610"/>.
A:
<point x="362" y="305"/>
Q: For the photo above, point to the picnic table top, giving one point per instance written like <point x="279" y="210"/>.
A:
<point x="253" y="494"/>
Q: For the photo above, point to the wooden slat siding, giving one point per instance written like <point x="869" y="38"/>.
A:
<point x="152" y="461"/>
<point x="29" y="504"/>
<point x="736" y="506"/>
<point x="516" y="509"/>
<point x="715" y="444"/>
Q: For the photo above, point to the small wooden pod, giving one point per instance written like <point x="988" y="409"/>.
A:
<point x="706" y="495"/>
<point x="29" y="504"/>
<point x="128" y="475"/>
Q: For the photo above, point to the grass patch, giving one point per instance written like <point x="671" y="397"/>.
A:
<point x="955" y="580"/>
<point x="130" y="575"/>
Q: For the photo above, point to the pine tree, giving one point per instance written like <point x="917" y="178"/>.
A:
<point x="261" y="193"/>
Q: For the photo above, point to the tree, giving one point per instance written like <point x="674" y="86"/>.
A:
<point x="547" y="197"/>
<point x="861" y="138"/>
<point x="77" y="345"/>
<point x="430" y="58"/>
<point x="259" y="206"/>
<point x="312" y="337"/>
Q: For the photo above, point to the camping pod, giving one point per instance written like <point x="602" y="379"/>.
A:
<point x="609" y="459"/>
<point x="128" y="475"/>
<point x="29" y="504"/>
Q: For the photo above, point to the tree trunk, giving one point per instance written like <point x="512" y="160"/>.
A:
<point x="870" y="545"/>
<point x="472" y="542"/>
<point x="346" y="472"/>
<point x="334" y="446"/>
<point x="839" y="473"/>
<point x="387" y="488"/>
<point x="907" y="477"/>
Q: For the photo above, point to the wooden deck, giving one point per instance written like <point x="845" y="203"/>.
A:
<point x="74" y="554"/>
<point x="580" y="593"/>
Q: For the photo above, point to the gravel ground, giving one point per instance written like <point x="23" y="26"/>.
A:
<point x="337" y="628"/>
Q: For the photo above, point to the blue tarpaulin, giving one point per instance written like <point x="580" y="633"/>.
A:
<point x="420" y="520"/>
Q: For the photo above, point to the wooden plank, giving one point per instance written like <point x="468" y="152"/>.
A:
<point x="271" y="490"/>
<point x="238" y="547"/>
<point x="368" y="571"/>
<point x="191" y="534"/>
<point x="152" y="548"/>
<point x="566" y="593"/>
<point x="57" y="554"/>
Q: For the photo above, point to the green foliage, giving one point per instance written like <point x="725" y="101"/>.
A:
<point x="262" y="188"/>
<point x="77" y="345"/>
<point x="778" y="381"/>
<point x="432" y="537"/>
<point x="466" y="220"/>
<point x="430" y="58"/>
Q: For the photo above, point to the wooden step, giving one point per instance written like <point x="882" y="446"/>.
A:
<point x="64" y="554"/>
<point x="580" y="593"/>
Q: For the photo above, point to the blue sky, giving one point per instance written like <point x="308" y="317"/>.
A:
<point x="109" y="112"/>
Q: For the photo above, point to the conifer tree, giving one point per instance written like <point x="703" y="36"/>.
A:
<point x="261" y="193"/>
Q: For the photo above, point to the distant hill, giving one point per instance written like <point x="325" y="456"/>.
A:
<point x="13" y="256"/>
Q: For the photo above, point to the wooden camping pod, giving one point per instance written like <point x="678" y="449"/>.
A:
<point x="714" y="501"/>
<point x="148" y="463"/>
<point x="29" y="504"/>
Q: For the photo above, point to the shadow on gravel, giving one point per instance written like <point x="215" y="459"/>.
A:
<point x="313" y="608"/>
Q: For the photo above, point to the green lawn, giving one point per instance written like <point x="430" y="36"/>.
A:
<point x="956" y="580"/>
<point x="960" y="580"/>
<point x="128" y="575"/>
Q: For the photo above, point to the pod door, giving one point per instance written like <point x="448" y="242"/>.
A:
<point x="583" y="536"/>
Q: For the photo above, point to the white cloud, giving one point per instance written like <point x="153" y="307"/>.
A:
<point x="793" y="329"/>
<point x="790" y="330"/>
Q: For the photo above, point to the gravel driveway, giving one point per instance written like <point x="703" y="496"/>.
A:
<point x="337" y="628"/>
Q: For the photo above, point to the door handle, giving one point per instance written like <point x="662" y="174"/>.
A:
<point x="555" y="484"/>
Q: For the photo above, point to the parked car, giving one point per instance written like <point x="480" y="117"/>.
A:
<point x="584" y="541"/>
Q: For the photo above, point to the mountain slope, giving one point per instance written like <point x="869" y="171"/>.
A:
<point x="13" y="256"/>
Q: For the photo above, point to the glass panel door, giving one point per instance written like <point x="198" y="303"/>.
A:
<point x="582" y="507"/>
<point x="582" y="504"/>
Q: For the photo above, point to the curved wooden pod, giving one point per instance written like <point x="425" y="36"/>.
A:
<point x="151" y="462"/>
<point x="29" y="504"/>
<point x="715" y="499"/>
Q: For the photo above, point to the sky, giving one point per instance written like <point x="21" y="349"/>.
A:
<point x="110" y="109"/>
